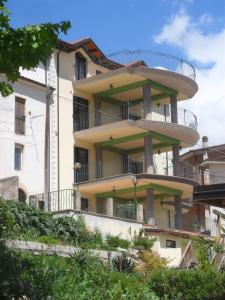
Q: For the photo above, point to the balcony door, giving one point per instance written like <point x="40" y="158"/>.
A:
<point x="80" y="114"/>
<point x="81" y="156"/>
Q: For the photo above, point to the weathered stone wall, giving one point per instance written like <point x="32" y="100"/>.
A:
<point x="9" y="188"/>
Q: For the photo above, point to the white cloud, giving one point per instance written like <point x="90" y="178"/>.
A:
<point x="207" y="51"/>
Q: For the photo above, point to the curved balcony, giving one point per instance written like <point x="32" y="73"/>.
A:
<point x="148" y="59"/>
<point x="127" y="165"/>
<point x="90" y="117"/>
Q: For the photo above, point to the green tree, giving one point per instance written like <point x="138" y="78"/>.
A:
<point x="24" y="47"/>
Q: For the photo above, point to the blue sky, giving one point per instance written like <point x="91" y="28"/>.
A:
<point x="191" y="29"/>
<point x="115" y="24"/>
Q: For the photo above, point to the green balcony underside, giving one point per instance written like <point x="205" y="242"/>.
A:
<point x="156" y="187"/>
<point x="160" y="137"/>
<point x="135" y="85"/>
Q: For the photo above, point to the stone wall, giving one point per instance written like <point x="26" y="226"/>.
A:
<point x="9" y="188"/>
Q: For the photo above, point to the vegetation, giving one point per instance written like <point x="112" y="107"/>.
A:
<point x="24" y="47"/>
<point x="123" y="263"/>
<point x="142" y="243"/>
<point x="188" y="284"/>
<point x="150" y="261"/>
<point x="116" y="242"/>
<point x="83" y="276"/>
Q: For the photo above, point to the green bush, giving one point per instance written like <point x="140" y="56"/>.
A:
<point x="188" y="284"/>
<point x="123" y="263"/>
<point x="116" y="242"/>
<point x="142" y="243"/>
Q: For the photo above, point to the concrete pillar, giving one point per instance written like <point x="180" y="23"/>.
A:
<point x="150" y="213"/>
<point x="176" y="160"/>
<point x="97" y="114"/>
<point x="149" y="166"/>
<point x="98" y="162"/>
<point x="173" y="105"/>
<point x="178" y="212"/>
<point x="109" y="207"/>
<point x="147" y="101"/>
<point x="77" y="200"/>
<point x="140" y="216"/>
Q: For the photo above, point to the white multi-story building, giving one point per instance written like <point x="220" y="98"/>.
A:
<point x="22" y="127"/>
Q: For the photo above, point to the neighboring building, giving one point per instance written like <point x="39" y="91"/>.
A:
<point x="209" y="163"/>
<point x="22" y="126"/>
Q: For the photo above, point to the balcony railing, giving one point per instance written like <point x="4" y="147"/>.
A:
<point x="66" y="200"/>
<point x="115" y="113"/>
<point x="125" y="165"/>
<point x="208" y="227"/>
<point x="148" y="59"/>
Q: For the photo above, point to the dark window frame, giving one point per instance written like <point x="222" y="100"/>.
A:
<point x="20" y="118"/>
<point x="80" y="66"/>
<point x="171" y="244"/>
<point x="18" y="165"/>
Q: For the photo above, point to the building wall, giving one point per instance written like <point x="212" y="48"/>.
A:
<point x="32" y="173"/>
<point x="9" y="188"/>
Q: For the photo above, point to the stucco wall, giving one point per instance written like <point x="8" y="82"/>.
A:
<point x="9" y="188"/>
<point x="32" y="173"/>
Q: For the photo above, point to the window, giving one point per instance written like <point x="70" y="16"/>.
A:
<point x="18" y="157"/>
<point x="80" y="66"/>
<point x="80" y="114"/>
<point x="98" y="72"/>
<point x="19" y="115"/>
<point x="170" y="244"/>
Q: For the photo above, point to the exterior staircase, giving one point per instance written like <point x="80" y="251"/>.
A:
<point x="218" y="258"/>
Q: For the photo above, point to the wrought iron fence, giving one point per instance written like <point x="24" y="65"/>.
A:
<point x="57" y="200"/>
<point x="207" y="226"/>
<point x="148" y="59"/>
<point x="66" y="200"/>
<point x="111" y="113"/>
<point x="126" y="211"/>
<point x="126" y="165"/>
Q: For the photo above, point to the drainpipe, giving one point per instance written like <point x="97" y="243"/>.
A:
<point x="49" y="91"/>
<point x="58" y="147"/>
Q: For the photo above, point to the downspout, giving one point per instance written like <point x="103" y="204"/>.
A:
<point x="58" y="146"/>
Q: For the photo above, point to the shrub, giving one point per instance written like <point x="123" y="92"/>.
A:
<point x="50" y="240"/>
<point x="142" y="243"/>
<point x="123" y="263"/>
<point x="149" y="261"/>
<point x="116" y="242"/>
<point x="187" y="284"/>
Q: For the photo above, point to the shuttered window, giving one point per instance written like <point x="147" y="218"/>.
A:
<point x="19" y="115"/>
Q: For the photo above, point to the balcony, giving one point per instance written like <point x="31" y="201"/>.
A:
<point x="89" y="117"/>
<point x="148" y="59"/>
<point x="126" y="165"/>
<point x="66" y="200"/>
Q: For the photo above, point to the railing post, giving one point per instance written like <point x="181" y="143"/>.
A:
<point x="109" y="207"/>
<point x="140" y="213"/>
<point x="77" y="200"/>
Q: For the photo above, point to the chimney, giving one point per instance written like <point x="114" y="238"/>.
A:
<point x="205" y="147"/>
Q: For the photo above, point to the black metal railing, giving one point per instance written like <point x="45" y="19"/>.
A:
<point x="66" y="200"/>
<point x="111" y="113"/>
<point x="148" y="59"/>
<point x="125" y="165"/>
<point x="208" y="226"/>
